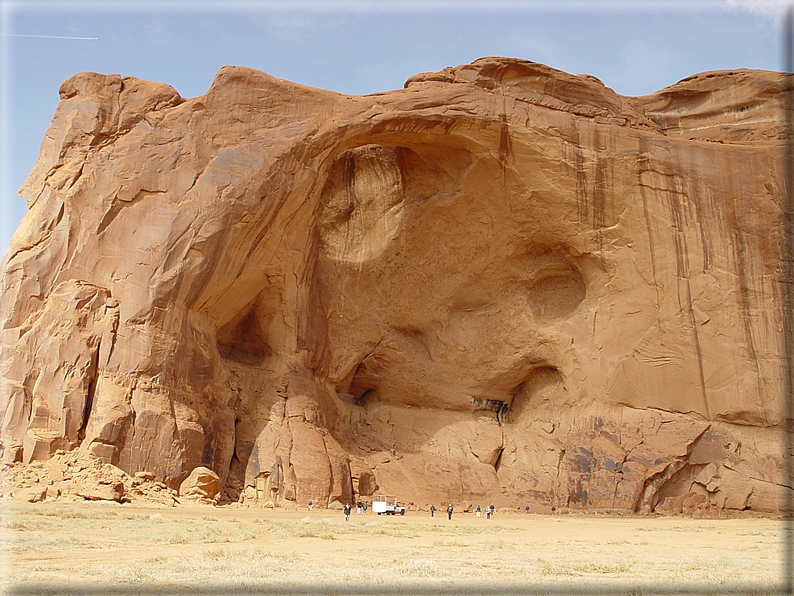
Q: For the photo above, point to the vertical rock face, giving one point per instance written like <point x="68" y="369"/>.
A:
<point x="503" y="282"/>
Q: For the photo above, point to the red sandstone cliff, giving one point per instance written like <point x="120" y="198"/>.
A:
<point x="503" y="283"/>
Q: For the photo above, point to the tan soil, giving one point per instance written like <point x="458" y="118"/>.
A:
<point x="112" y="548"/>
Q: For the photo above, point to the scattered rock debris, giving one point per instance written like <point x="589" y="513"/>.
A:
<point x="74" y="475"/>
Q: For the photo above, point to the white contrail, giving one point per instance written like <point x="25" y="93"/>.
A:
<point x="44" y="36"/>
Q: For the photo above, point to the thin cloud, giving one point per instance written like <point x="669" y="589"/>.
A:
<point x="765" y="8"/>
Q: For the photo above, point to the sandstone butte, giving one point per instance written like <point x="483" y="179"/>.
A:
<point x="501" y="284"/>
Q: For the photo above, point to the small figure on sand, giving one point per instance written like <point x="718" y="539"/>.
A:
<point x="347" y="512"/>
<point x="553" y="509"/>
<point x="449" y="511"/>
<point x="478" y="510"/>
<point x="310" y="505"/>
<point x="432" y="510"/>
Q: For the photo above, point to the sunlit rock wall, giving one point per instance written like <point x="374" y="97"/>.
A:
<point x="502" y="284"/>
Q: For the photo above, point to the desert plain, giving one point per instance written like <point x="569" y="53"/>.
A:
<point x="74" y="547"/>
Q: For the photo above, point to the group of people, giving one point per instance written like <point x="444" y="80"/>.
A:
<point x="361" y="507"/>
<point x="449" y="511"/>
<point x="489" y="511"/>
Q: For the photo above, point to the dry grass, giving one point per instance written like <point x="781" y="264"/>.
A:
<point x="115" y="549"/>
<point x="104" y="525"/>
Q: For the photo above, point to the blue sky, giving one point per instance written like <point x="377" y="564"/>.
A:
<point x="352" y="46"/>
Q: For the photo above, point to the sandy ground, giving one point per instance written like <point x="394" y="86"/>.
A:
<point x="107" y="548"/>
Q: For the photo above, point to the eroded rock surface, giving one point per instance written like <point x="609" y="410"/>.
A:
<point x="501" y="284"/>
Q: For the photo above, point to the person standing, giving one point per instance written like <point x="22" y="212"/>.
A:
<point x="479" y="510"/>
<point x="449" y="511"/>
<point x="310" y="505"/>
<point x="432" y="510"/>
<point x="365" y="507"/>
<point x="347" y="512"/>
<point x="358" y="509"/>
<point x="553" y="509"/>
<point x="526" y="509"/>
